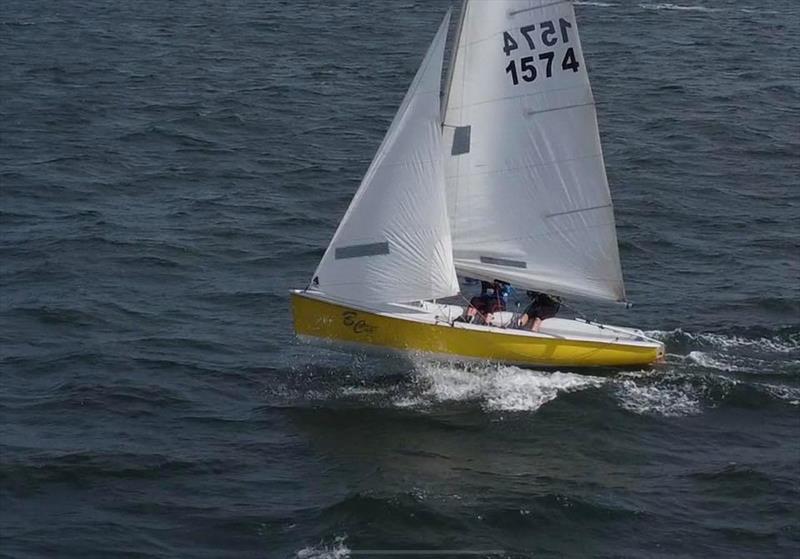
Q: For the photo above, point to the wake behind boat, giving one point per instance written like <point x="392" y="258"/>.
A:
<point x="503" y="181"/>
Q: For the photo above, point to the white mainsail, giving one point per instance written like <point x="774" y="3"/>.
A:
<point x="393" y="244"/>
<point x="527" y="193"/>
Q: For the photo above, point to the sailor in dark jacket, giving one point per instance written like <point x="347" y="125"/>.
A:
<point x="541" y="307"/>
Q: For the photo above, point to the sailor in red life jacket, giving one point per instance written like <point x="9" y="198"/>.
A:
<point x="492" y="299"/>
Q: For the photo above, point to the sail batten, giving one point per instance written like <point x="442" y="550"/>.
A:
<point x="523" y="96"/>
<point x="530" y="188"/>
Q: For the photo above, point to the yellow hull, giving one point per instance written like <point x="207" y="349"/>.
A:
<point x="330" y="321"/>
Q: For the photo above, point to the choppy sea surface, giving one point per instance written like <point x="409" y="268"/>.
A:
<point x="168" y="170"/>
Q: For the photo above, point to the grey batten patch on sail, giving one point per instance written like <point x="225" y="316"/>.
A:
<point x="503" y="262"/>
<point x="356" y="251"/>
<point x="461" y="140"/>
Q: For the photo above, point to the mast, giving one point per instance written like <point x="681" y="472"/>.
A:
<point x="453" y="58"/>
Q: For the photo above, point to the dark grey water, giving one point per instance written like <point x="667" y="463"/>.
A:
<point x="169" y="170"/>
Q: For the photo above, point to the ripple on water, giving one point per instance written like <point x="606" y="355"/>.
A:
<point x="159" y="199"/>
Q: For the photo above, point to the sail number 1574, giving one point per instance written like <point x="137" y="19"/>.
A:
<point x="528" y="68"/>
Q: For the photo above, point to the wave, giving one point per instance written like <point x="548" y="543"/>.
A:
<point x="670" y="6"/>
<point x="334" y="550"/>
<point x="670" y="393"/>
<point x="164" y="134"/>
<point x="50" y="314"/>
<point x="674" y="393"/>
<point x="654" y="6"/>
<point x="704" y="370"/>
<point x="383" y="383"/>
<point x="766" y="344"/>
<point x="776" y="355"/>
<point x="496" y="387"/>
<point x="733" y="472"/>
<point x="787" y="340"/>
<point x="666" y="392"/>
<point x="789" y="394"/>
<point x="667" y="401"/>
<point x="710" y="362"/>
<point x="83" y="467"/>
<point x="596" y="4"/>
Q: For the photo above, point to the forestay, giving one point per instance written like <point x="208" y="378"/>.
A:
<point x="528" y="197"/>
<point x="393" y="244"/>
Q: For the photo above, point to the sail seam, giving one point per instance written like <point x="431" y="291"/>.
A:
<point x="410" y="162"/>
<point x="473" y="264"/>
<point x="541" y="7"/>
<point x="548" y="234"/>
<point x="579" y="210"/>
<point x="500" y="33"/>
<point x="545" y="164"/>
<point x="432" y="230"/>
<point x="532" y="113"/>
<point x="511" y="97"/>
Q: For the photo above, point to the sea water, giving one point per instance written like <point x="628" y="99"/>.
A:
<point x="168" y="170"/>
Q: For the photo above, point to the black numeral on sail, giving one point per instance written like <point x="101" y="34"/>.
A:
<point x="526" y="32"/>
<point x="564" y="24"/>
<point x="548" y="30"/>
<point x="509" y="43"/>
<point x="528" y="69"/>
<point x="512" y="69"/>
<point x="549" y="56"/>
<point x="569" y="62"/>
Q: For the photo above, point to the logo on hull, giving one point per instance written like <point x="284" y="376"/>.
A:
<point x="351" y="320"/>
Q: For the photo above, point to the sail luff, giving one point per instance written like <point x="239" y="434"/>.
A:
<point x="453" y="59"/>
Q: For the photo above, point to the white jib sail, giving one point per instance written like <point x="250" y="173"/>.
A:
<point x="528" y="197"/>
<point x="393" y="244"/>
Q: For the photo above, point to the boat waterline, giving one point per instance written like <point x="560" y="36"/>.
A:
<point x="350" y="327"/>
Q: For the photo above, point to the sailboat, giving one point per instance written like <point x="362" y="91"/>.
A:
<point x="496" y="176"/>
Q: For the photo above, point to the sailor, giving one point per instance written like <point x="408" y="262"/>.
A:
<point x="502" y="291"/>
<point x="478" y="304"/>
<point x="541" y="307"/>
<point x="493" y="298"/>
<point x="496" y="300"/>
